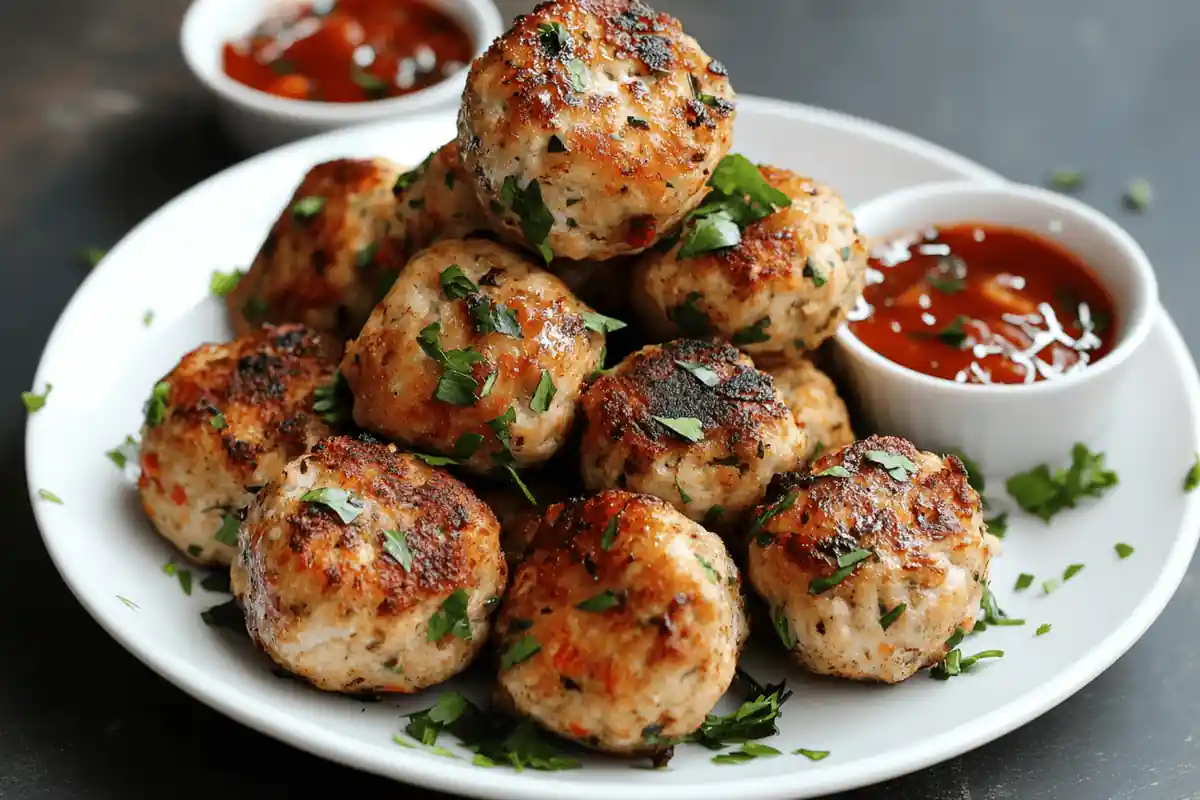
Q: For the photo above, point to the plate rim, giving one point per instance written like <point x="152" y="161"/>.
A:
<point x="310" y="737"/>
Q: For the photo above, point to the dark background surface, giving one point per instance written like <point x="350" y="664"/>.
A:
<point x="101" y="123"/>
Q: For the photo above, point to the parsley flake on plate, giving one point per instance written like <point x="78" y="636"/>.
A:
<point x="452" y="618"/>
<point x="1043" y="629"/>
<point x="812" y="755"/>
<point x="222" y="283"/>
<point x="184" y="576"/>
<point x="1192" y="479"/>
<point x="1139" y="195"/>
<point x="128" y="603"/>
<point x="35" y="402"/>
<point x="1024" y="581"/>
<point x="49" y="496"/>
<point x="156" y="406"/>
<point x="1066" y="179"/>
<point x="347" y="505"/>
<point x="1124" y="551"/>
<point x="755" y="719"/>
<point x="1044" y="493"/>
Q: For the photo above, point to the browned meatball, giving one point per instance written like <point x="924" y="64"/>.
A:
<point x="362" y="569"/>
<point x="868" y="529"/>
<point x="223" y="423"/>
<point x="591" y="127"/>
<point x="625" y="617"/>
<point x="693" y="422"/>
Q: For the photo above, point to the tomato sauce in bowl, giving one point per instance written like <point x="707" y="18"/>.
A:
<point x="984" y="304"/>
<point x="350" y="51"/>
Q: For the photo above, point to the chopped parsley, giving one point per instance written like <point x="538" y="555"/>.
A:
<point x="156" y="406"/>
<point x="333" y="402"/>
<point x="366" y="256"/>
<point x="992" y="613"/>
<point x="222" y="283"/>
<point x="216" y="582"/>
<point x="308" y="207"/>
<point x="1071" y="571"/>
<point x="609" y="536"/>
<point x="455" y="283"/>
<point x="782" y="628"/>
<point x="700" y="373"/>
<point x="887" y="619"/>
<point x="536" y="219"/>
<point x="712" y="516"/>
<point x="184" y="576"/>
<point x="713" y="575"/>
<point x="1024" y="581"/>
<point x="33" y="401"/>
<point x="395" y="544"/>
<point x="1050" y="586"/>
<point x="1043" y="629"/>
<point x="1044" y="493"/>
<point x="955" y="664"/>
<point x="436" y="461"/>
<point x="684" y="497"/>
<point x="543" y="395"/>
<point x="600" y="323"/>
<point x="812" y="755"/>
<point x="600" y="602"/>
<point x="954" y="334"/>
<point x="467" y="445"/>
<point x="346" y="505"/>
<point x="837" y="471"/>
<point x="813" y="271"/>
<point x="520" y="651"/>
<point x="577" y="71"/>
<point x="91" y="256"/>
<point x="687" y="428"/>
<point x="123" y="453"/>
<point x="1124" y="551"/>
<point x="493" y="317"/>
<point x="753" y="334"/>
<point x="49" y="496"/>
<point x="218" y="421"/>
<point x="1066" y="180"/>
<point x="689" y="318"/>
<point x="515" y="477"/>
<point x="1192" y="479"/>
<point x="457" y="385"/>
<point x="228" y="532"/>
<point x="554" y="38"/>
<point x="749" y="752"/>
<point x="998" y="525"/>
<point x="1139" y="195"/>
<point x="740" y="196"/>
<point x="407" y="179"/>
<point x="846" y="564"/>
<point x="897" y="465"/>
<point x="502" y="427"/>
<point x="225" y="615"/>
<point x="754" y="719"/>
<point x="770" y="512"/>
<point x="148" y="317"/>
<point x="452" y="619"/>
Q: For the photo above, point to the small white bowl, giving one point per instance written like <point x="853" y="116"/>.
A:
<point x="259" y="121"/>
<point x="1006" y="428"/>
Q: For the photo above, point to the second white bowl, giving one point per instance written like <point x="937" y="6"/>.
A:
<point x="1005" y="428"/>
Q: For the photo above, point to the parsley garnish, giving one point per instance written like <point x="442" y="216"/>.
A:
<point x="452" y="619"/>
<point x="700" y="372"/>
<point x="897" y="466"/>
<point x="49" y="496"/>
<point x="887" y="619"/>
<point x="222" y="283"/>
<point x="688" y="316"/>
<point x="711" y="232"/>
<point x="407" y="179"/>
<point x="780" y="621"/>
<point x="812" y="755"/>
<point x="600" y="602"/>
<point x="753" y="334"/>
<point x="128" y="603"/>
<point x="333" y="401"/>
<point x="609" y="536"/>
<point x="1139" y="195"/>
<point x="184" y="576"/>
<point x="543" y="395"/>
<point x="1124" y="551"/>
<point x="395" y="544"/>
<point x="346" y="505"/>
<point x="493" y="317"/>
<point x="684" y="497"/>
<point x="992" y="613"/>
<point x="954" y="663"/>
<point x="1024" y="581"/>
<point x="218" y="421"/>
<point x="687" y="428"/>
<point x="515" y="477"/>
<point x="1043" y="629"/>
<point x="456" y="386"/>
<point x="740" y="196"/>
<point x="772" y="511"/>
<point x="749" y="752"/>
<point x="520" y="651"/>
<point x="502" y="427"/>
<point x="308" y="207"/>
<point x="467" y="445"/>
<point x="837" y="471"/>
<point x="455" y="283"/>
<point x="124" y="453"/>
<point x="156" y="406"/>
<point x="577" y="70"/>
<point x="1044" y="494"/>
<point x="536" y="219"/>
<point x="228" y="532"/>
<point x="148" y="317"/>
<point x="434" y="460"/>
<point x="1192" y="479"/>
<point x="846" y="564"/>
<point x="1066" y="180"/>
<point x="713" y="575"/>
<point x="1071" y="571"/>
<point x="754" y="719"/>
<point x="954" y="334"/>
<point x="812" y="271"/>
<point x="34" y="401"/>
<point x="226" y="615"/>
<point x="998" y="525"/>
<point x="554" y="38"/>
<point x="600" y="323"/>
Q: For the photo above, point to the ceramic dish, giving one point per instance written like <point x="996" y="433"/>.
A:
<point x="258" y="121"/>
<point x="101" y="359"/>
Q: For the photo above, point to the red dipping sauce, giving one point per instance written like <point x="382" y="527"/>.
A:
<point x="350" y="51"/>
<point x="978" y="303"/>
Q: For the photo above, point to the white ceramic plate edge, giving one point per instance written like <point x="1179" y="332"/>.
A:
<point x="308" y="736"/>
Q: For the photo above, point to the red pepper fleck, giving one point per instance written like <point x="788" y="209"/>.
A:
<point x="642" y="231"/>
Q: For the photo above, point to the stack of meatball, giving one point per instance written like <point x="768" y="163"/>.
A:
<point x="454" y="306"/>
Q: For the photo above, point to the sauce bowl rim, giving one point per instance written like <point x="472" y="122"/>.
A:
<point x="481" y="21"/>
<point x="1138" y="311"/>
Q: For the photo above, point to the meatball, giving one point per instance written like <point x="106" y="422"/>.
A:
<point x="592" y="126"/>
<point x="223" y="423"/>
<point x="519" y="518"/>
<point x="871" y="558"/>
<point x="329" y="254"/>
<point x="622" y="626"/>
<point x="604" y="285"/>
<point x="475" y="353"/>
<point x="785" y="287"/>
<point x="361" y="569"/>
<point x="814" y="401"/>
<point x="348" y="230"/>
<point x="693" y="422"/>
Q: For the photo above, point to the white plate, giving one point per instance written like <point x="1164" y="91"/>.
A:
<point x="103" y="362"/>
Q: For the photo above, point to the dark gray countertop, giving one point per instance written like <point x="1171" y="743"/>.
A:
<point x="102" y="123"/>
